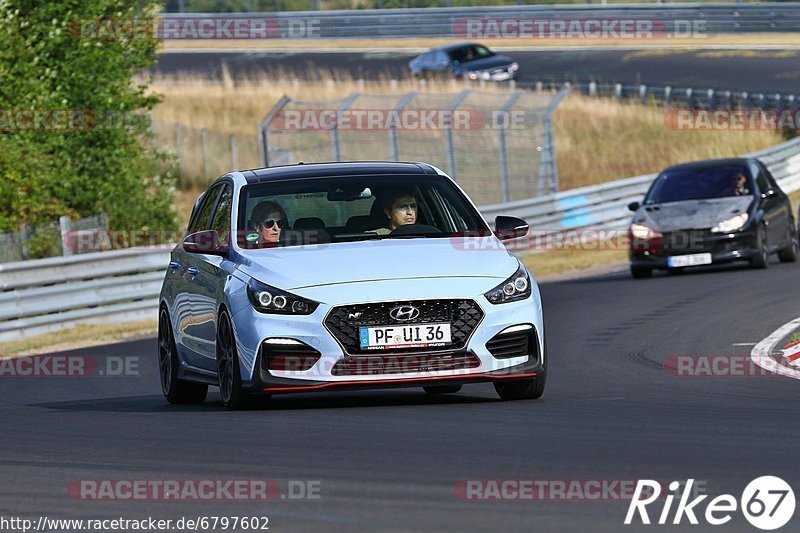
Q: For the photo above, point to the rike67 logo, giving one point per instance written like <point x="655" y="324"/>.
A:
<point x="767" y="503"/>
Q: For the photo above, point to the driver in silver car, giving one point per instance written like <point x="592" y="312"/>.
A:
<point x="400" y="208"/>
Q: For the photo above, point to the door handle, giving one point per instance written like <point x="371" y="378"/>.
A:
<point x="192" y="271"/>
<point x="174" y="265"/>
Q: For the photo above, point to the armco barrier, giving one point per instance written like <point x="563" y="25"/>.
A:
<point x="451" y="22"/>
<point x="46" y="295"/>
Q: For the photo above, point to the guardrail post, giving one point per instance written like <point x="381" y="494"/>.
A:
<point x="234" y="155"/>
<point x="501" y="138"/>
<point x="618" y="91"/>
<point x="64" y="226"/>
<point x="592" y="88"/>
<point x="335" y="141"/>
<point x="402" y="104"/>
<point x="643" y="92"/>
<point x="448" y="134"/>
<point x="204" y="137"/>
<point x="539" y="86"/>
<point x="667" y="96"/>
<point x="689" y="98"/>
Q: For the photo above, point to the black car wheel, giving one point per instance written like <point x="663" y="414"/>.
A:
<point x="175" y="390"/>
<point x="230" y="378"/>
<point x="761" y="259"/>
<point x="789" y="254"/>
<point x="641" y="272"/>
<point x="524" y="389"/>
<point x="442" y="389"/>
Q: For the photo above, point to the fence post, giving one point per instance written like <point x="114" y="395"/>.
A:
<point x="402" y="104"/>
<point x="234" y="155"/>
<point x="204" y="137"/>
<point x="448" y="134"/>
<point x="179" y="149"/>
<point x="501" y="138"/>
<point x="548" y="167"/>
<point x="336" y="146"/>
<point x="263" y="141"/>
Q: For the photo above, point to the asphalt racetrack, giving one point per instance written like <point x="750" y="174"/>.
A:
<point x="389" y="460"/>
<point x="750" y="70"/>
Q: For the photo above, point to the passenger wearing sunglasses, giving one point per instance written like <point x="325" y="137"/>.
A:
<point x="269" y="219"/>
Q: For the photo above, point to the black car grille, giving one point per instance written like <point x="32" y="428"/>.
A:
<point x="403" y="364"/>
<point x="344" y="321"/>
<point x="515" y="344"/>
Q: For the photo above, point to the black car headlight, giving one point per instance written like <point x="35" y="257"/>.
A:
<point x="517" y="287"/>
<point x="267" y="299"/>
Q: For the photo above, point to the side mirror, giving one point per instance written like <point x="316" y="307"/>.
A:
<point x="205" y="242"/>
<point x="634" y="206"/>
<point x="509" y="228"/>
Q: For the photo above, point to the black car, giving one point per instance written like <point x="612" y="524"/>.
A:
<point x="711" y="212"/>
<point x="465" y="60"/>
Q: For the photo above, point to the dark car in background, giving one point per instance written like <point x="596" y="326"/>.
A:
<point x="464" y="60"/>
<point x="711" y="212"/>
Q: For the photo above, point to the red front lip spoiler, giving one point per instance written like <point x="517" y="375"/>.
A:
<point x="466" y="377"/>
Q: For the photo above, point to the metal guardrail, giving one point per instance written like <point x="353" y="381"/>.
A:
<point x="47" y="295"/>
<point x="449" y="22"/>
<point x="690" y="97"/>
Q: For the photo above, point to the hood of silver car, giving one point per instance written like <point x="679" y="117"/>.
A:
<point x="691" y="214"/>
<point x="388" y="259"/>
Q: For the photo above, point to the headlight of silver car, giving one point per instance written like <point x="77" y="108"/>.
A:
<point x="732" y="224"/>
<point x="517" y="287"/>
<point x="267" y="299"/>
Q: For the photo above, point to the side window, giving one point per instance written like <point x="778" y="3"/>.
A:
<point x="441" y="58"/>
<point x="202" y="218"/>
<point x="769" y="176"/>
<point x="222" y="216"/>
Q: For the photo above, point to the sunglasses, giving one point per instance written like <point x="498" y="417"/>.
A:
<point x="271" y="222"/>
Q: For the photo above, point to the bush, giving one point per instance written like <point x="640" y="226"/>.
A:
<point x="48" y="171"/>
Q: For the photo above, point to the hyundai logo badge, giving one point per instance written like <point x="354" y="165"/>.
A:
<point x="404" y="313"/>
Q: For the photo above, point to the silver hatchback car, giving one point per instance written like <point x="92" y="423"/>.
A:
<point x="336" y="276"/>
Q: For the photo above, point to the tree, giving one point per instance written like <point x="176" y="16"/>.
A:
<point x="74" y="124"/>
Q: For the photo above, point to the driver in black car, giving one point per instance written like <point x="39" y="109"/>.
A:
<point x="400" y="208"/>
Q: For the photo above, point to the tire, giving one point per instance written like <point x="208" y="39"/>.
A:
<point x="789" y="254"/>
<point x="524" y="389"/>
<point x="233" y="396"/>
<point x="175" y="390"/>
<point x="641" y="272"/>
<point x="761" y="260"/>
<point x="442" y="389"/>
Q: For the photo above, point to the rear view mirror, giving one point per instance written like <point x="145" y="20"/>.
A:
<point x="509" y="227"/>
<point x="340" y="195"/>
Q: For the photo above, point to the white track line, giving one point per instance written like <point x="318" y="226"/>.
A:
<point x="761" y="353"/>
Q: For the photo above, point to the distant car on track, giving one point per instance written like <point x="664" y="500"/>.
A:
<point x="346" y="276"/>
<point x="708" y="212"/>
<point x="464" y="60"/>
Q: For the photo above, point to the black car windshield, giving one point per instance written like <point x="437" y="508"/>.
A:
<point x="470" y="53"/>
<point x="700" y="183"/>
<point x="323" y="210"/>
